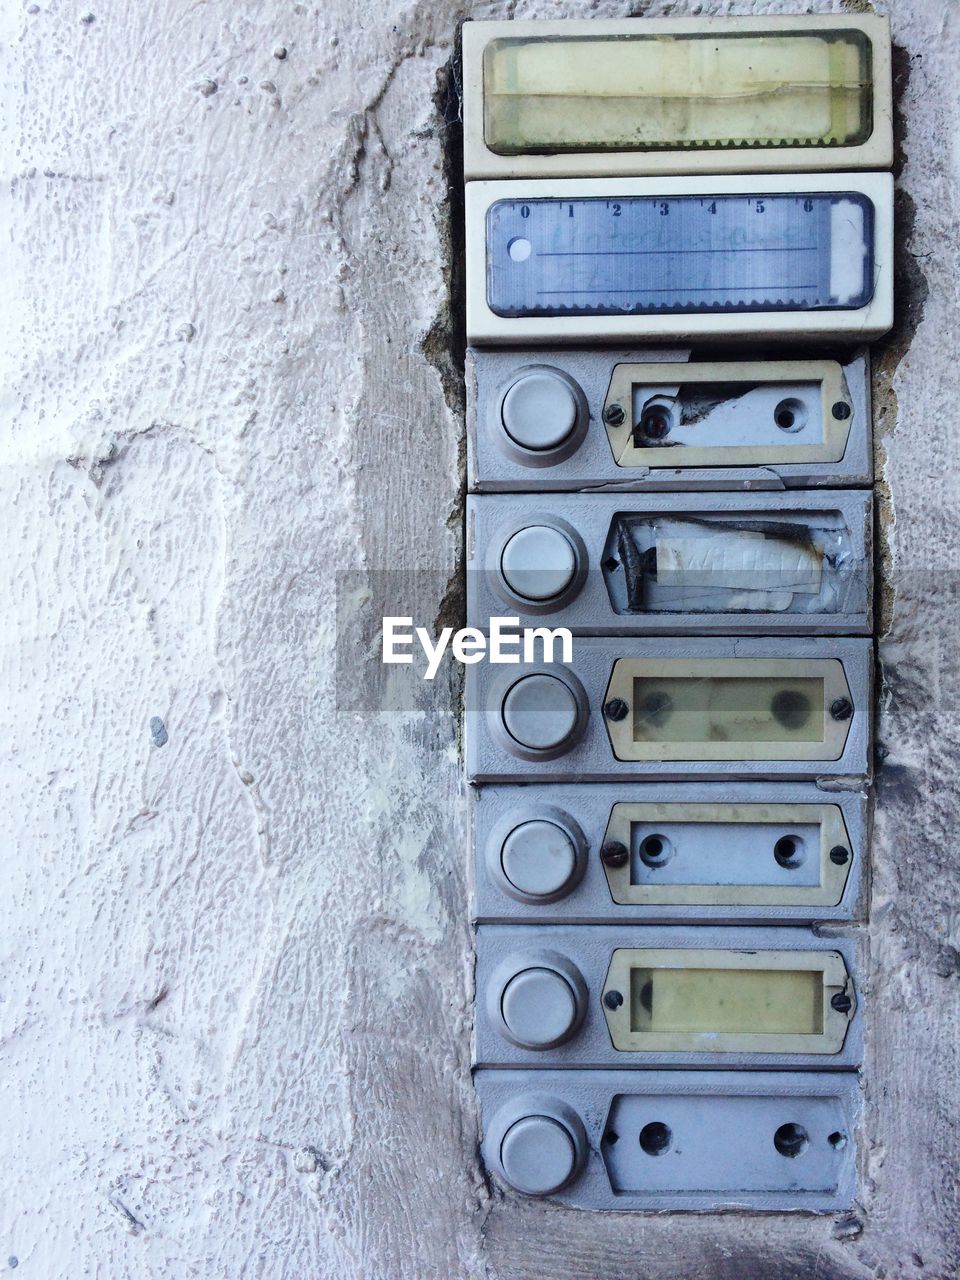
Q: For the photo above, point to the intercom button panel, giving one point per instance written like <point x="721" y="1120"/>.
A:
<point x="673" y="1140"/>
<point x="800" y="256"/>
<point x="671" y="95"/>
<point x="636" y="853"/>
<point x="593" y="418"/>
<point x="674" y="709"/>
<point x="624" y="996"/>
<point x="605" y="564"/>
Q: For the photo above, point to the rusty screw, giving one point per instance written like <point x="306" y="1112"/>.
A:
<point x="614" y="854"/>
<point x="616" y="709"/>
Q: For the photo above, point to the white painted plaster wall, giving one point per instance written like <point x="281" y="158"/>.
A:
<point x="235" y="994"/>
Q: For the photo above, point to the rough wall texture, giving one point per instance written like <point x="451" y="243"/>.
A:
<point x="235" y="1004"/>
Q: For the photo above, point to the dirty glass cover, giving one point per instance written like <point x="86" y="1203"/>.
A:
<point x="691" y="91"/>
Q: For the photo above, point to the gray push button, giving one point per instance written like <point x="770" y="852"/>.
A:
<point x="540" y="712"/>
<point x="538" y="858"/>
<point x="538" y="562"/>
<point x="539" y="411"/>
<point x="537" y="1155"/>
<point x="539" y="1008"/>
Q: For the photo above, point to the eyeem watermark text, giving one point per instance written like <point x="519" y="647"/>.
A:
<point x="506" y="643"/>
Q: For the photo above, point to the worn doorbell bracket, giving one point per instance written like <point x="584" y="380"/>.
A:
<point x="676" y="710"/>
<point x="639" y="853"/>
<point x="593" y="419"/>
<point x="564" y="995"/>
<point x="605" y="564"/>
<point x="673" y="1140"/>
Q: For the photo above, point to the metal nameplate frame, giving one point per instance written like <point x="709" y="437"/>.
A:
<point x="578" y="312"/>
<point x="683" y="1140"/>
<point x="593" y="448"/>
<point x="751" y="853"/>
<point x="597" y="709"/>
<point x="585" y="43"/>
<point x="782" y="434"/>
<point x="640" y="736"/>
<point x="827" y="970"/>
<point x="595" y="962"/>
<point x="820" y="544"/>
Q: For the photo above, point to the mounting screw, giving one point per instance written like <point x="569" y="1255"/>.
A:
<point x="613" y="999"/>
<point x="613" y="415"/>
<point x="841" y="708"/>
<point x="614" y="854"/>
<point x="839" y="854"/>
<point x="841" y="1002"/>
<point x="616" y="709"/>
<point x="841" y="410"/>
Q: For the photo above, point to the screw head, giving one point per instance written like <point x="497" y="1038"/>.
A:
<point x="613" y="415"/>
<point x="613" y="999"/>
<point x="841" y="1002"/>
<point x="841" y="708"/>
<point x="841" y="410"/>
<point x="839" y="855"/>
<point x="614" y="854"/>
<point x="616" y="709"/>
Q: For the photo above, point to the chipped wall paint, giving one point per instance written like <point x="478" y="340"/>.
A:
<point x="236" y="985"/>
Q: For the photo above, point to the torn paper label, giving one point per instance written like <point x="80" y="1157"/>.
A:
<point x="737" y="560"/>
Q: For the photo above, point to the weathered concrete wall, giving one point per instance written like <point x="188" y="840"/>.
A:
<point x="236" y="994"/>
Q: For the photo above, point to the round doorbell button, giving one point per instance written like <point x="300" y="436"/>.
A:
<point x="534" y="999"/>
<point x="539" y="1008"/>
<point x="540" y="712"/>
<point x="538" y="858"/>
<point x="538" y="562"/>
<point x="538" y="1155"/>
<point x="540" y="410"/>
<point x="534" y="1142"/>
